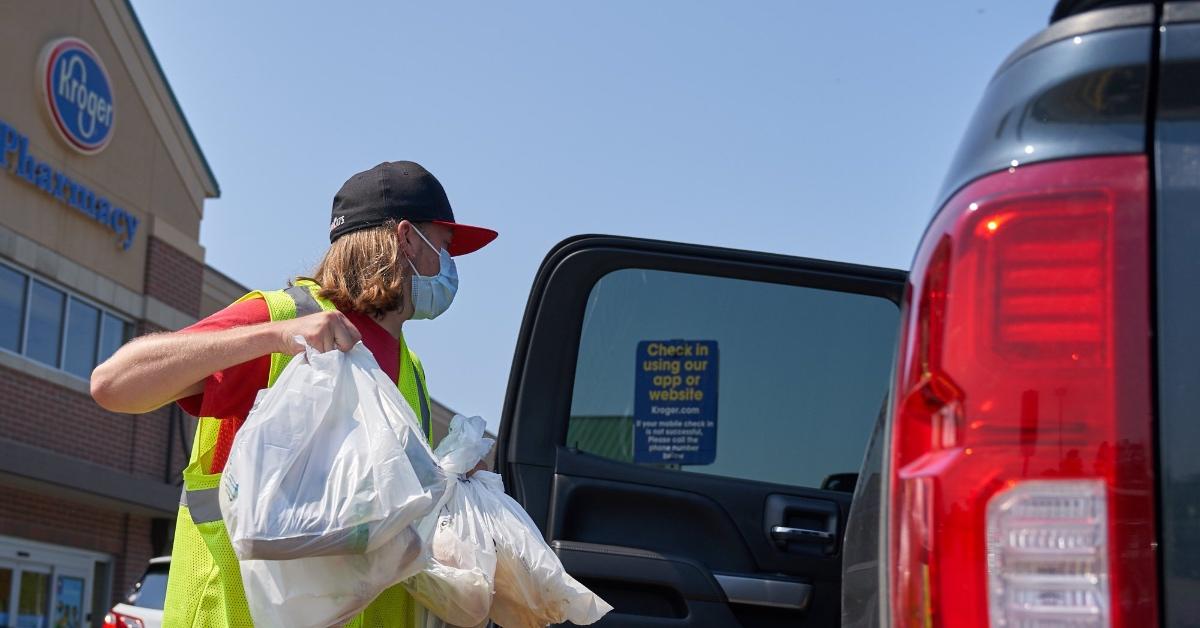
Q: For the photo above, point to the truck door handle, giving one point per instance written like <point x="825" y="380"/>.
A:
<point x="786" y="533"/>
<point x="802" y="525"/>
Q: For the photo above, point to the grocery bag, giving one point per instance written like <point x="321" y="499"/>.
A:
<point x="329" y="461"/>
<point x="322" y="489"/>
<point x="481" y="528"/>
<point x="532" y="587"/>
<point x="326" y="591"/>
<point x="455" y="587"/>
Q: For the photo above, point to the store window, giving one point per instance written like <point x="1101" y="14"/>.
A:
<point x="83" y="333"/>
<point x="33" y="598"/>
<point x="68" y="602"/>
<point x="45" y="323"/>
<point x="6" y="581"/>
<point x="114" y="332"/>
<point x="55" y="327"/>
<point x="12" y="308"/>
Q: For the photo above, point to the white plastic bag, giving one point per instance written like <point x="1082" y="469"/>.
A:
<point x="455" y="587"/>
<point x="480" y="529"/>
<point x="330" y="461"/>
<point x="326" y="590"/>
<point x="330" y="466"/>
<point x="532" y="587"/>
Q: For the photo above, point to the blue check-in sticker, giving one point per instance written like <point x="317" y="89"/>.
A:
<point x="675" y="405"/>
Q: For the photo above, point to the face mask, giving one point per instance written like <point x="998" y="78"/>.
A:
<point x="433" y="295"/>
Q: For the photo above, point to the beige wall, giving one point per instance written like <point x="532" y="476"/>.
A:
<point x="143" y="169"/>
<point x="219" y="291"/>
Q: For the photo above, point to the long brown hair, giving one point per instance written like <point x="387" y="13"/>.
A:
<point x="364" y="271"/>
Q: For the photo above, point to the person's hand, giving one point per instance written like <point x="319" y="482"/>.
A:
<point x="323" y="331"/>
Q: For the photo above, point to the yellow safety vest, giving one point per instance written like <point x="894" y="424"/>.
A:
<point x="204" y="588"/>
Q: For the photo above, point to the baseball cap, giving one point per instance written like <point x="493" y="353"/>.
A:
<point x="400" y="190"/>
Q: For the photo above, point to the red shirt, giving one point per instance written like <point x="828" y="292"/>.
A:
<point x="229" y="393"/>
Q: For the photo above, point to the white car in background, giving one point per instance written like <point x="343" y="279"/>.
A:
<point x="142" y="606"/>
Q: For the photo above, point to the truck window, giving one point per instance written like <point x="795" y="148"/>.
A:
<point x="730" y="377"/>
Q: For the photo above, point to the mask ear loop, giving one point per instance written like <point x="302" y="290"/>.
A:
<point x="428" y="244"/>
<point x="424" y="239"/>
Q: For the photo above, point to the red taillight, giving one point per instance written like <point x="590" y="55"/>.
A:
<point x="113" y="619"/>
<point x="1021" y="477"/>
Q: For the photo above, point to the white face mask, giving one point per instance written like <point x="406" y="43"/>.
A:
<point x="433" y="295"/>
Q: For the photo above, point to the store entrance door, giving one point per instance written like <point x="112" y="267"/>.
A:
<point x="27" y="603"/>
<point x="70" y="608"/>
<point x="45" y="586"/>
<point x="33" y="595"/>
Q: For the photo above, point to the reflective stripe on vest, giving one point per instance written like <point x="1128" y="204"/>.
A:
<point x="203" y="504"/>
<point x="305" y="303"/>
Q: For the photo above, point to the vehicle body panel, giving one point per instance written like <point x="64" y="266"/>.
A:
<point x="1177" y="217"/>
<point x="1061" y="99"/>
<point x="1052" y="99"/>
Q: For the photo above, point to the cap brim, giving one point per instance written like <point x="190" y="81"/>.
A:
<point x="466" y="238"/>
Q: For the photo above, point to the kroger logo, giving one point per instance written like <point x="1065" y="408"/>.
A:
<point x="78" y="94"/>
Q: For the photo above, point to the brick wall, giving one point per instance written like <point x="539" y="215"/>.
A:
<point x="137" y="552"/>
<point x="173" y="277"/>
<point x="42" y="414"/>
<point x="39" y="413"/>
<point x="66" y="421"/>
<point x="49" y="520"/>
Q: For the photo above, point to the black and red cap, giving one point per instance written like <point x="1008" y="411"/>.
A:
<point x="401" y="190"/>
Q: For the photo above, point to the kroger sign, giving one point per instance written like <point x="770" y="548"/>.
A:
<point x="78" y="94"/>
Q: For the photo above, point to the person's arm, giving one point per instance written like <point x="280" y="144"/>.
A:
<point x="155" y="370"/>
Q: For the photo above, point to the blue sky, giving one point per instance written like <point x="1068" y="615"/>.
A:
<point x="813" y="129"/>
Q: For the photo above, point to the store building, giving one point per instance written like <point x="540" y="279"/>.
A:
<point x="102" y="192"/>
<point x="102" y="189"/>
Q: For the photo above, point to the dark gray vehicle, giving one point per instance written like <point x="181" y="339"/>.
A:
<point x="688" y="424"/>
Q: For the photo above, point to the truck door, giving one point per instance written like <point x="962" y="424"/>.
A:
<point x="686" y="424"/>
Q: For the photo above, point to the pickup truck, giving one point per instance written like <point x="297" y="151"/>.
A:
<point x="1003" y="435"/>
